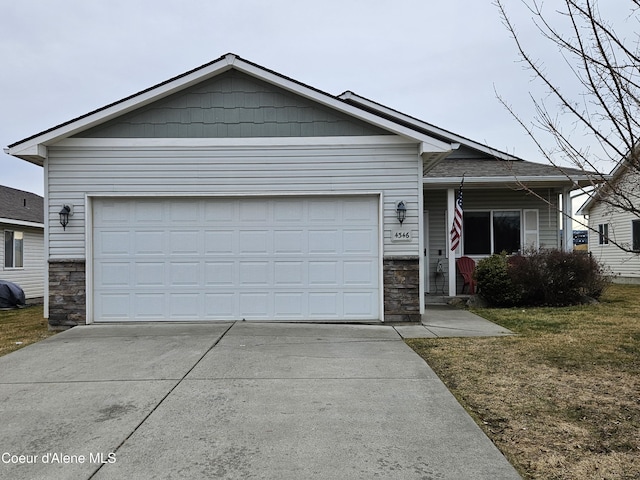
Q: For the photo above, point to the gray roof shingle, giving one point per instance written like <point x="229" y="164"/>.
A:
<point x="20" y="205"/>
<point x="490" y="167"/>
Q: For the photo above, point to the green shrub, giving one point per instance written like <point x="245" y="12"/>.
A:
<point x="494" y="283"/>
<point x="550" y="277"/>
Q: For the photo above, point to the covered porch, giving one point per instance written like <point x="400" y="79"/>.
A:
<point x="513" y="206"/>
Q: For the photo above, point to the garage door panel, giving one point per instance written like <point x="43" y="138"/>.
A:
<point x="254" y="242"/>
<point x="254" y="273"/>
<point x="288" y="241"/>
<point x="359" y="241"/>
<point x="184" y="306"/>
<point x="254" y="212"/>
<point x="220" y="242"/>
<point x="359" y="273"/>
<point x="323" y="305"/>
<point x="114" y="243"/>
<point x="324" y="241"/>
<point x="293" y="258"/>
<point x="358" y="304"/>
<point x="114" y="306"/>
<point x="185" y="242"/>
<point x="220" y="305"/>
<point x="115" y="274"/>
<point x="149" y="212"/>
<point x="324" y="273"/>
<point x="148" y="242"/>
<point x="219" y="274"/>
<point x="149" y="306"/>
<point x="254" y="304"/>
<point x="289" y="304"/>
<point x="185" y="274"/>
<point x="287" y="212"/>
<point x="149" y="274"/>
<point x="221" y="212"/>
<point x="289" y="273"/>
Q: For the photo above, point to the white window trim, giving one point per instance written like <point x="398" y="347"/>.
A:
<point x="632" y="222"/>
<point x="603" y="238"/>
<point x="4" y="260"/>
<point x="491" y="210"/>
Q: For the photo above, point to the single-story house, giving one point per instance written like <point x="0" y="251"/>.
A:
<point x="614" y="233"/>
<point x="22" y="246"/>
<point x="233" y="192"/>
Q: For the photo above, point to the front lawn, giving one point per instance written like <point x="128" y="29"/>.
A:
<point x="562" y="399"/>
<point x="22" y="327"/>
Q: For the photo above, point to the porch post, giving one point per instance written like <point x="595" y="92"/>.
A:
<point x="567" y="221"/>
<point x="451" y="197"/>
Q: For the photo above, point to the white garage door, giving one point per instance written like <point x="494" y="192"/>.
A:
<point x="294" y="258"/>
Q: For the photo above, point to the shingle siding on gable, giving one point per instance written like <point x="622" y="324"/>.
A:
<point x="233" y="105"/>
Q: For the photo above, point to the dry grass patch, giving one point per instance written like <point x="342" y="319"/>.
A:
<point x="562" y="399"/>
<point x="22" y="327"/>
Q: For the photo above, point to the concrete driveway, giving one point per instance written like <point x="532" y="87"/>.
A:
<point x="236" y="401"/>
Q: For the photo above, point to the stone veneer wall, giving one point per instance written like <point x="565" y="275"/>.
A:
<point x="67" y="293"/>
<point x="402" y="289"/>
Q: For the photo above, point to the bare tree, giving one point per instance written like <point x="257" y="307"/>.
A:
<point x="601" y="108"/>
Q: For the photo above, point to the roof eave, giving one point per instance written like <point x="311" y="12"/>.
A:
<point x="456" y="139"/>
<point x="510" y="181"/>
<point x="21" y="223"/>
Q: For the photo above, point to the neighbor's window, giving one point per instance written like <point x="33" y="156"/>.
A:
<point x="635" y="235"/>
<point x="492" y="232"/>
<point x="603" y="234"/>
<point x="13" y="249"/>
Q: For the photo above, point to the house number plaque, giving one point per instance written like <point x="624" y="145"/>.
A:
<point x="400" y="235"/>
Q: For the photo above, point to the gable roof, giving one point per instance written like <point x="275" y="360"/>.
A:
<point x="616" y="175"/>
<point x="33" y="148"/>
<point x="480" y="164"/>
<point x="20" y="207"/>
<point x="435" y="144"/>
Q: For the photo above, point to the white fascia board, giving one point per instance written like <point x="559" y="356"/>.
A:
<point x="557" y="179"/>
<point x="21" y="223"/>
<point x="427" y="126"/>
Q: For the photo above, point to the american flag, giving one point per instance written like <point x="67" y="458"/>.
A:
<point x="456" y="228"/>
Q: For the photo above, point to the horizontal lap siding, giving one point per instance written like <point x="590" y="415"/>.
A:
<point x="623" y="264"/>
<point x="77" y="171"/>
<point x="31" y="276"/>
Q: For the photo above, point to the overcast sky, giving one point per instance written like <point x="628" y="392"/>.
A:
<point x="438" y="61"/>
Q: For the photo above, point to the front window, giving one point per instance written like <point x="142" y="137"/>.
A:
<point x="635" y="235"/>
<point x="13" y="249"/>
<point x="491" y="232"/>
<point x="603" y="234"/>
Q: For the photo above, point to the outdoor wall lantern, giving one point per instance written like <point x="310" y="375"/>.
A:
<point x="64" y="216"/>
<point x="401" y="211"/>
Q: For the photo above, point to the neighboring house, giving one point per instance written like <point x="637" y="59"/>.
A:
<point x="612" y="228"/>
<point x="22" y="246"/>
<point x="232" y="192"/>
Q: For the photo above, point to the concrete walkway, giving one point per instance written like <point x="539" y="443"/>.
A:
<point x="234" y="401"/>
<point x="446" y="321"/>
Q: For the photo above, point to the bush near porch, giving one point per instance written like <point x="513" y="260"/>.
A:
<point x="541" y="278"/>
